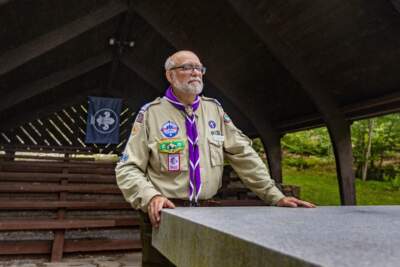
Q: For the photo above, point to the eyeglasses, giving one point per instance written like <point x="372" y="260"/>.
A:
<point x="188" y="68"/>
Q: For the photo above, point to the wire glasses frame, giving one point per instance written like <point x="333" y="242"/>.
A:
<point x="190" y="68"/>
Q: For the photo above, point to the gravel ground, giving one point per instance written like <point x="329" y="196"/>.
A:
<point x="132" y="259"/>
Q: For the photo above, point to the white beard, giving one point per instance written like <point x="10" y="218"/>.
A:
<point x="194" y="88"/>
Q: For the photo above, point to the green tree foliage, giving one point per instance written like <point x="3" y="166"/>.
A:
<point x="385" y="150"/>
<point x="313" y="148"/>
<point x="314" y="142"/>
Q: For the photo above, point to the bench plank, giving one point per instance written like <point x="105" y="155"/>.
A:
<point x="56" y="177"/>
<point x="14" y="225"/>
<point x="71" y="205"/>
<point x="55" y="188"/>
<point x="44" y="247"/>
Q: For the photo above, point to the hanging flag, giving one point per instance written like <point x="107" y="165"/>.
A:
<point x="103" y="120"/>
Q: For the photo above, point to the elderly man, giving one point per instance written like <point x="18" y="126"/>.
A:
<point x="178" y="144"/>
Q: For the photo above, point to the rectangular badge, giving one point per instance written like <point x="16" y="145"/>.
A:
<point x="171" y="146"/>
<point x="173" y="162"/>
<point x="219" y="138"/>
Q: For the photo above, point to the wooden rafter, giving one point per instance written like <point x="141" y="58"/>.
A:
<point x="356" y="111"/>
<point x="123" y="36"/>
<point x="53" y="80"/>
<point x="339" y="128"/>
<point x="135" y="63"/>
<point x="28" y="51"/>
<point x="23" y="117"/>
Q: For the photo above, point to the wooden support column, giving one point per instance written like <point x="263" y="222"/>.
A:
<point x="341" y="141"/>
<point x="272" y="144"/>
<point x="317" y="90"/>
<point x="271" y="140"/>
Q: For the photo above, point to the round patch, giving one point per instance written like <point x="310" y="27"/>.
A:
<point x="106" y="121"/>
<point x="124" y="157"/>
<point x="226" y="118"/>
<point x="212" y="124"/>
<point x="169" y="129"/>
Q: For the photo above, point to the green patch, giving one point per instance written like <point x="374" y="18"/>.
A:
<point x="171" y="146"/>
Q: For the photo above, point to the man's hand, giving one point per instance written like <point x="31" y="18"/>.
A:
<point x="154" y="208"/>
<point x="294" y="203"/>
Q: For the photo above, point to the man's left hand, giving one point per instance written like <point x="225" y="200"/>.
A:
<point x="294" y="203"/>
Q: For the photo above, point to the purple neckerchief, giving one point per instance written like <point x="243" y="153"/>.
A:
<point x="192" y="137"/>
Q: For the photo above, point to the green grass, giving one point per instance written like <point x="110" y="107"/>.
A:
<point x="321" y="188"/>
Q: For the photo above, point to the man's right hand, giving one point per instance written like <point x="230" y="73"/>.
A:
<point x="154" y="208"/>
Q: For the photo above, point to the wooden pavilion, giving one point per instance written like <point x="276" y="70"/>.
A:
<point x="276" y="66"/>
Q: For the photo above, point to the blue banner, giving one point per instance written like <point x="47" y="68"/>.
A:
<point x="103" y="120"/>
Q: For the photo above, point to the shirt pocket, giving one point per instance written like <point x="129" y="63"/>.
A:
<point x="167" y="161"/>
<point x="216" y="152"/>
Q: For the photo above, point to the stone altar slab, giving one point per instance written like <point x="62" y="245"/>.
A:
<point x="273" y="236"/>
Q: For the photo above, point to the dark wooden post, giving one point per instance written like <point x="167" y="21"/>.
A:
<point x="341" y="141"/>
<point x="272" y="144"/>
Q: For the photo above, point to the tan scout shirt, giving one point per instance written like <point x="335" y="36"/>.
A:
<point x="145" y="169"/>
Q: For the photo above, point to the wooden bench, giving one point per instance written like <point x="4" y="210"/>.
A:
<point x="234" y="189"/>
<point x="61" y="188"/>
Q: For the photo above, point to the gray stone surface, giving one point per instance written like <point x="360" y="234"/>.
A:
<point x="272" y="236"/>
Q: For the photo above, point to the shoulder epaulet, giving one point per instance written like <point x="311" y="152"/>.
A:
<point x="212" y="100"/>
<point x="146" y="106"/>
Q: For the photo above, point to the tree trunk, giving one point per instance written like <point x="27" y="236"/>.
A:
<point x="367" y="150"/>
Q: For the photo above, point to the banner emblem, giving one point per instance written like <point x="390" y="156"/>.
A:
<point x="103" y="120"/>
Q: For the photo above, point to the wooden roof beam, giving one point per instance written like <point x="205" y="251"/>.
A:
<point x="30" y="50"/>
<point x="339" y="128"/>
<point x="3" y="2"/>
<point x="119" y="49"/>
<point x="136" y="63"/>
<point x="53" y="80"/>
<point x="366" y="109"/>
<point x="44" y="111"/>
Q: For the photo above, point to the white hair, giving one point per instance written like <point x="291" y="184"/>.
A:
<point x="169" y="63"/>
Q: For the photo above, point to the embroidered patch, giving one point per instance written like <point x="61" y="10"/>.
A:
<point x="226" y="118"/>
<point x="171" y="146"/>
<point x="124" y="157"/>
<point x="219" y="138"/>
<point x="139" y="117"/>
<point x="216" y="132"/>
<point x="136" y="128"/>
<point x="212" y="124"/>
<point x="173" y="162"/>
<point x="169" y="129"/>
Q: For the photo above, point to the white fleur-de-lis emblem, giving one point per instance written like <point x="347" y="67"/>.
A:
<point x="105" y="121"/>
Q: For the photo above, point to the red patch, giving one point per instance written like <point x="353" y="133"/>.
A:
<point x="139" y="117"/>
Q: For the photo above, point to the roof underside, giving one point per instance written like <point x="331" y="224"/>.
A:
<point x="53" y="54"/>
